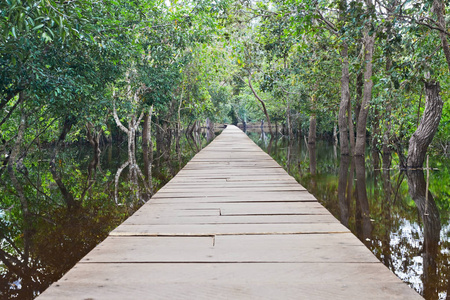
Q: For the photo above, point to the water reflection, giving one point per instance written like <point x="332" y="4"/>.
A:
<point x="429" y="214"/>
<point x="344" y="190"/>
<point x="386" y="209"/>
<point x="42" y="242"/>
<point x="362" y="216"/>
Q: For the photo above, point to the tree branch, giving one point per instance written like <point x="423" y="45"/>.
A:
<point x="20" y="100"/>
<point x="260" y="100"/>
<point x="116" y="118"/>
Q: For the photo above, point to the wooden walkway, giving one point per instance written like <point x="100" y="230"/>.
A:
<point x="231" y="225"/>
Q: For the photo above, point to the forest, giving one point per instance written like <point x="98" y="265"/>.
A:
<point x="366" y="76"/>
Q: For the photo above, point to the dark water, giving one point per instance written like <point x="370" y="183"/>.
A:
<point x="39" y="247"/>
<point x="386" y="209"/>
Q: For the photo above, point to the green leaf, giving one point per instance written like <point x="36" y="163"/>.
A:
<point x="38" y="26"/>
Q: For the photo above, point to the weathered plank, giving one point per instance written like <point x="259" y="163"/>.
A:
<point x="230" y="281"/>
<point x="231" y="225"/>
<point x="320" y="248"/>
<point x="226" y="229"/>
<point x="143" y="219"/>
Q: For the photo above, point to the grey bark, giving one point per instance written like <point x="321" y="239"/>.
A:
<point x="439" y="10"/>
<point x="423" y="136"/>
<point x="312" y="129"/>
<point x="345" y="99"/>
<point x="147" y="147"/>
<point x="360" y="145"/>
<point x="261" y="101"/>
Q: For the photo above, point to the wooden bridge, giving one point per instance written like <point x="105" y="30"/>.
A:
<point x="231" y="225"/>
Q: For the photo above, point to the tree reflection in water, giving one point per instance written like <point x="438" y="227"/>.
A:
<point x="429" y="214"/>
<point x="381" y="206"/>
<point x="343" y="183"/>
<point x="362" y="217"/>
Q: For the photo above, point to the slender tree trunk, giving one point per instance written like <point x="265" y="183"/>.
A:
<point x="360" y="146"/>
<point x="147" y="147"/>
<point x="423" y="136"/>
<point x="335" y="134"/>
<point x="351" y="129"/>
<point x="345" y="99"/>
<point x="93" y="137"/>
<point x="289" y="121"/>
<point x="167" y="137"/>
<point x="439" y="10"/>
<point x="261" y="101"/>
<point x="299" y="129"/>
<point x="387" y="116"/>
<point x="135" y="172"/>
<point x="351" y="176"/>
<point x="116" y="180"/>
<point x="67" y="195"/>
<point x="178" y="135"/>
<point x="359" y="97"/>
<point x="375" y="129"/>
<point x="312" y="129"/>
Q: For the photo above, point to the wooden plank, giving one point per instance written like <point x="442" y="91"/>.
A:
<point x="143" y="219"/>
<point x="255" y="195"/>
<point x="226" y="229"/>
<point x="230" y="281"/>
<point x="320" y="248"/>
<point x="219" y="199"/>
<point x="225" y="183"/>
<point x="242" y="189"/>
<point x="238" y="208"/>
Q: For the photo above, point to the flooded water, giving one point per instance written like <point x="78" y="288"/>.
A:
<point x="388" y="210"/>
<point x="38" y="247"/>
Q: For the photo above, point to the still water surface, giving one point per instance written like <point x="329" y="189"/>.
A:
<point x="385" y="208"/>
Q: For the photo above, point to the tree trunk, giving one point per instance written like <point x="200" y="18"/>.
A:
<point x="147" y="147"/>
<point x="289" y="122"/>
<point x="178" y="132"/>
<point x="261" y="101"/>
<point x="387" y="116"/>
<point x="345" y="99"/>
<point x="359" y="96"/>
<point x="375" y="129"/>
<point x="360" y="145"/>
<point x="421" y="139"/>
<point x="312" y="129"/>
<point x="134" y="170"/>
<point x="439" y="10"/>
<point x="299" y="129"/>
<point x="67" y="195"/>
